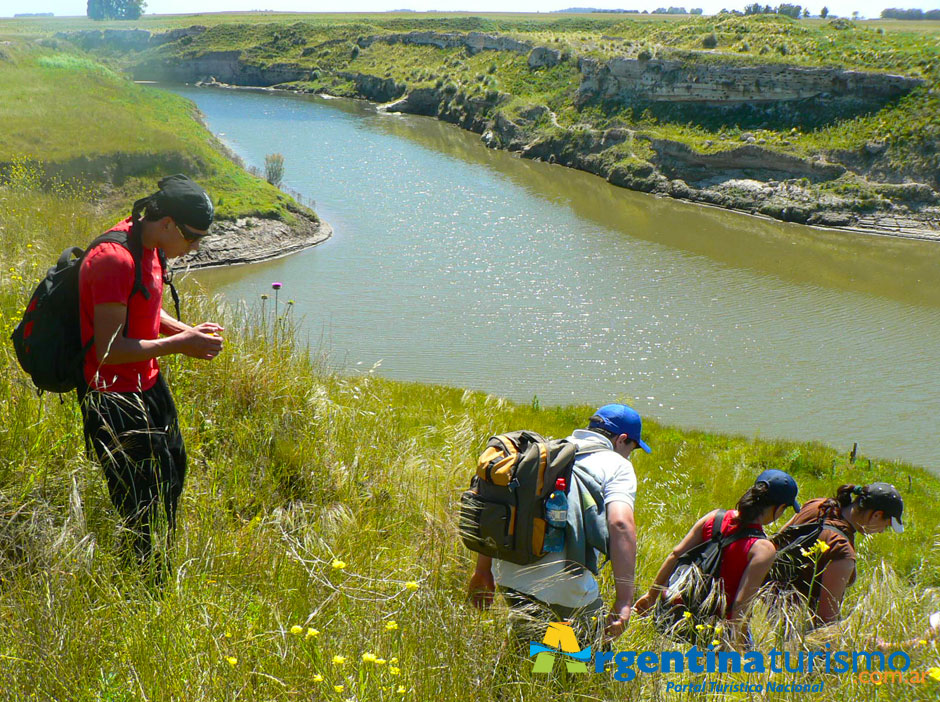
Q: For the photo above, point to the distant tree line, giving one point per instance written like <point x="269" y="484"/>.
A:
<point x="660" y="11"/>
<point x="115" y="9"/>
<point x="899" y="14"/>
<point x="785" y="9"/>
<point x="584" y="10"/>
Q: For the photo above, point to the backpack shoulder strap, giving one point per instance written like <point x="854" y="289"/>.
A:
<point x="168" y="280"/>
<point x="716" y="524"/>
<point x="736" y="535"/>
<point x="66" y="256"/>
<point x="829" y="527"/>
<point x="136" y="248"/>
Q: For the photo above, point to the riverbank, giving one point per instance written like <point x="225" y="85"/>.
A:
<point x="781" y="200"/>
<point x="827" y="124"/>
<point x="253" y="240"/>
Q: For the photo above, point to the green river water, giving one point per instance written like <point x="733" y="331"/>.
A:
<point x="455" y="264"/>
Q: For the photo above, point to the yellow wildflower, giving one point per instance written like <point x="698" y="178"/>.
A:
<point x="311" y="633"/>
<point x="393" y="661"/>
<point x="715" y="642"/>
<point x="393" y="670"/>
<point x="922" y="642"/>
<point x="296" y="630"/>
<point x="339" y="565"/>
<point x="391" y="626"/>
<point x="401" y="690"/>
<point x="317" y="678"/>
<point x="412" y="585"/>
<point x="687" y="614"/>
<point x="700" y="627"/>
<point x="822" y="546"/>
<point x="934" y="673"/>
<point x="718" y="628"/>
<point x="380" y="661"/>
<point x="368" y="658"/>
<point x="339" y="660"/>
<point x="338" y="688"/>
<point x="232" y="660"/>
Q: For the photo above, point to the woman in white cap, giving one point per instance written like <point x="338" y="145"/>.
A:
<point x="823" y="579"/>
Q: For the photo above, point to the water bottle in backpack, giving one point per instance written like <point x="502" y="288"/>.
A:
<point x="556" y="516"/>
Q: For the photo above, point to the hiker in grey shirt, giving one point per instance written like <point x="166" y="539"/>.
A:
<point x="547" y="590"/>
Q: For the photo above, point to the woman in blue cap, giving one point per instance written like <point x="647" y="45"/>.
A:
<point x="747" y="560"/>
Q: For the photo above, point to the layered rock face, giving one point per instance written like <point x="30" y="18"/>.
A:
<point x="127" y="39"/>
<point x="223" y="66"/>
<point x="474" y="42"/>
<point x="710" y="83"/>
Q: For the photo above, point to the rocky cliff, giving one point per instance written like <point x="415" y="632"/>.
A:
<point x="713" y="83"/>
<point x="221" y="66"/>
<point x="750" y="177"/>
<point x="127" y="39"/>
<point x="473" y="42"/>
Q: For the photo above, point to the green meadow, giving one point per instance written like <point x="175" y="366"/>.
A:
<point x="318" y="555"/>
<point x="76" y="120"/>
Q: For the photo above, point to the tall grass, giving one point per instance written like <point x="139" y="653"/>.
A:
<point x="324" y="504"/>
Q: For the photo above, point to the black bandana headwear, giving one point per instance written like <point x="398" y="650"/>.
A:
<point x="182" y="199"/>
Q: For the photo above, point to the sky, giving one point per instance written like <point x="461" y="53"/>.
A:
<point x="866" y="8"/>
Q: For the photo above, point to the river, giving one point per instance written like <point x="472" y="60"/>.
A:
<point x="452" y="263"/>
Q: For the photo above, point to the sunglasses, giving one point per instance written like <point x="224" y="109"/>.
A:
<point x="188" y="233"/>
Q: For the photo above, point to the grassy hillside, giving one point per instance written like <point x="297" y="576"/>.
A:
<point x="293" y="469"/>
<point x="84" y="122"/>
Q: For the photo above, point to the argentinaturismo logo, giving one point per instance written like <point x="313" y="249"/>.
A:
<point x="559" y="640"/>
<point x="560" y="643"/>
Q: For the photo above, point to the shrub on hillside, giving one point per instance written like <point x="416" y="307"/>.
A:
<point x="274" y="169"/>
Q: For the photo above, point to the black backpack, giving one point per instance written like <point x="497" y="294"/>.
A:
<point x="48" y="339"/>
<point x="795" y="546"/>
<point x="695" y="585"/>
<point x="502" y="515"/>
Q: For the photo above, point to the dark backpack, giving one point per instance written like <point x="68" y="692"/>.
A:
<point x="48" y="340"/>
<point x="695" y="585"/>
<point x="795" y="548"/>
<point x="502" y="515"/>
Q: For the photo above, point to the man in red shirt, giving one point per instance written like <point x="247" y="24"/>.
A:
<point x="128" y="413"/>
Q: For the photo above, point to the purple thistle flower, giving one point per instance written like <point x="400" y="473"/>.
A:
<point x="276" y="286"/>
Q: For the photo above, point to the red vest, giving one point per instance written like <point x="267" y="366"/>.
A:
<point x="734" y="559"/>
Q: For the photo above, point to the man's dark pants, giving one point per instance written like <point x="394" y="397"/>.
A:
<point x="137" y="440"/>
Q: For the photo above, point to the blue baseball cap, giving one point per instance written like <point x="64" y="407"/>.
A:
<point x="781" y="488"/>
<point x="620" y="419"/>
